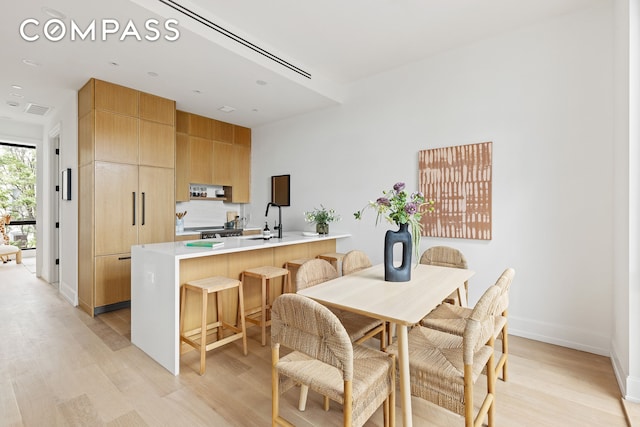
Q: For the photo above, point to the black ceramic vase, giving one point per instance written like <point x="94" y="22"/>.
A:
<point x="403" y="272"/>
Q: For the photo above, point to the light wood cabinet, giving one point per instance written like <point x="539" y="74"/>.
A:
<point x="116" y="137"/>
<point x="200" y="160"/>
<point x="212" y="152"/>
<point x="157" y="144"/>
<point x="113" y="279"/>
<point x="126" y="183"/>
<point x="199" y="126"/>
<point x="182" y="122"/>
<point x="134" y="205"/>
<point x="86" y="138"/>
<point x="116" y="200"/>
<point x="115" y="98"/>
<point x="223" y="163"/>
<point x="222" y="131"/>
<point x="183" y="158"/>
<point x="86" y="236"/>
<point x="157" y="109"/>
<point x="156" y="216"/>
<point x="240" y="183"/>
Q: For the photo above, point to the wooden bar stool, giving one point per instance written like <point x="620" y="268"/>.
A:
<point x="293" y="267"/>
<point x="265" y="274"/>
<point x="334" y="258"/>
<point x="197" y="338"/>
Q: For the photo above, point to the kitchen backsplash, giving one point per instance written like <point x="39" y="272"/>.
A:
<point x="207" y="213"/>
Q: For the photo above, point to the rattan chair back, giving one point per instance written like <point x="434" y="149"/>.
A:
<point x="355" y="260"/>
<point x="304" y="325"/>
<point x="313" y="272"/>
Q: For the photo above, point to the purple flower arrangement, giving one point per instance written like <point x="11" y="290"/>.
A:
<point x="399" y="207"/>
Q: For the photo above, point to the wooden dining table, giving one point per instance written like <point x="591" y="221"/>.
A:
<point x="403" y="304"/>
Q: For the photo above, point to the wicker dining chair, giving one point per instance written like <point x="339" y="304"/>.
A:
<point x="360" y="378"/>
<point x="313" y="272"/>
<point x="445" y="256"/>
<point x="355" y="260"/>
<point x="360" y="328"/>
<point x="453" y="318"/>
<point x="444" y="367"/>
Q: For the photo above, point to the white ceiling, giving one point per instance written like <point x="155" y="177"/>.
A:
<point x="336" y="41"/>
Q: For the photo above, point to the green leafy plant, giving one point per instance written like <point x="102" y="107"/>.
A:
<point x="399" y="207"/>
<point x="321" y="216"/>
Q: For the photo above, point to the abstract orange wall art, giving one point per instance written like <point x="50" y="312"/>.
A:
<point x="458" y="179"/>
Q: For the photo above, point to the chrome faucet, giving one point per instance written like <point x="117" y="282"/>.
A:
<point x="279" y="226"/>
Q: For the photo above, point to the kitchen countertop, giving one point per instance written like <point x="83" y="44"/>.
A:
<point x="158" y="270"/>
<point x="180" y="250"/>
<point x="187" y="233"/>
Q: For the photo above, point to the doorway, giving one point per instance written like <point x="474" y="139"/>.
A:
<point x="55" y="235"/>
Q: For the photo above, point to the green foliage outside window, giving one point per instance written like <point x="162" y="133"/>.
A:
<point x="18" y="192"/>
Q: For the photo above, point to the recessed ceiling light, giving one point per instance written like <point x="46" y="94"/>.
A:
<point x="114" y="64"/>
<point x="30" y="62"/>
<point x="197" y="91"/>
<point x="255" y="110"/>
<point x="16" y="86"/>
<point x="12" y="103"/>
<point x="261" y="82"/>
<point x="226" y="109"/>
<point x="17" y="95"/>
<point x="152" y="74"/>
<point x="53" y="13"/>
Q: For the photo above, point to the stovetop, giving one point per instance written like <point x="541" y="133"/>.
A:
<point x="214" y="232"/>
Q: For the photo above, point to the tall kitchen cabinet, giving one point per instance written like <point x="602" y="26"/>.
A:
<point x="126" y="181"/>
<point x="214" y="153"/>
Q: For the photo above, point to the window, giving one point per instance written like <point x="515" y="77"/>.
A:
<point x="18" y="193"/>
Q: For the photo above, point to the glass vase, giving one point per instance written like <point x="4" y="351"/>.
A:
<point x="322" y="228"/>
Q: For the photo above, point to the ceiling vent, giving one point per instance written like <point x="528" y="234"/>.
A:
<point x="207" y="23"/>
<point x="38" y="110"/>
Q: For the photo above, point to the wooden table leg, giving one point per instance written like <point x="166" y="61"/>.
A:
<point x="263" y="311"/>
<point x="462" y="294"/>
<point x="405" y="388"/>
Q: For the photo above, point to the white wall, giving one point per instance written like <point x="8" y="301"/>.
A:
<point x="64" y="122"/>
<point x="543" y="95"/>
<point x="20" y="133"/>
<point x="632" y="391"/>
<point x="625" y="345"/>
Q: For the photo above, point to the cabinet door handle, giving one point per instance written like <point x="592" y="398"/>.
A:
<point x="143" y="207"/>
<point x="134" y="208"/>
<point x="122" y="258"/>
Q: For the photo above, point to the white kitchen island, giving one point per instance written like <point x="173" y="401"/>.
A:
<point x="158" y="270"/>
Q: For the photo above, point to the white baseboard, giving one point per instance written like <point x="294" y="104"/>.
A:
<point x="578" y="339"/>
<point x="629" y="385"/>
<point x="68" y="293"/>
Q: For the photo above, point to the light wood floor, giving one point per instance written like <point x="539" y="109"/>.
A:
<point x="60" y="367"/>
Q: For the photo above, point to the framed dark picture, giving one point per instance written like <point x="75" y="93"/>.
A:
<point x="66" y="184"/>
<point x="280" y="189"/>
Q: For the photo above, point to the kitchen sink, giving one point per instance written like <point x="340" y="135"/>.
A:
<point x="251" y="237"/>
